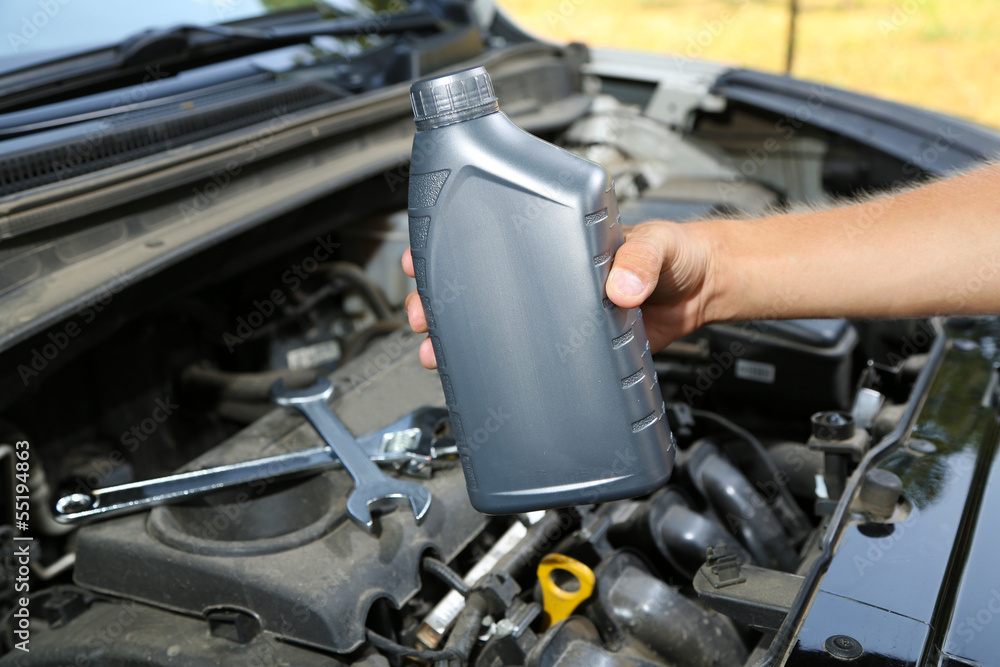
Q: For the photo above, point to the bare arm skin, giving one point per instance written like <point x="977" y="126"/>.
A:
<point x="933" y="250"/>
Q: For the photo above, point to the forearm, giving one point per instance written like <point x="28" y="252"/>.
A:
<point x="929" y="251"/>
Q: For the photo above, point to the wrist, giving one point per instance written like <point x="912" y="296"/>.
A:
<point x="712" y="238"/>
<point x="758" y="268"/>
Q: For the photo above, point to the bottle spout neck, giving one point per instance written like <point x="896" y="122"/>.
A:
<point x="453" y="98"/>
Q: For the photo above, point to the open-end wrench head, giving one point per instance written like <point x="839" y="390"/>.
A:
<point x="284" y="396"/>
<point x="357" y="509"/>
<point x="420" y="502"/>
<point x="370" y="497"/>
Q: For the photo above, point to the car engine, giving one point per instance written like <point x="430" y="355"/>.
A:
<point x="172" y="373"/>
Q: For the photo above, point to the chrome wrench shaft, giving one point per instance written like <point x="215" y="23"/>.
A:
<point x="137" y="496"/>
<point x="126" y="498"/>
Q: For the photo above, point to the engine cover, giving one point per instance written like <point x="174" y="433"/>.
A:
<point x="286" y="552"/>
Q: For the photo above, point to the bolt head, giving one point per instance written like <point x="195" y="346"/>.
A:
<point x="921" y="446"/>
<point x="843" y="647"/>
<point x="832" y="426"/>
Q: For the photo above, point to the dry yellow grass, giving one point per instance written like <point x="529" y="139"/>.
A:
<point x="939" y="54"/>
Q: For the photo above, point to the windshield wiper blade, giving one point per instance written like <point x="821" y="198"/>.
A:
<point x="361" y="26"/>
<point x="172" y="46"/>
<point x="179" y="38"/>
<point x="146" y="46"/>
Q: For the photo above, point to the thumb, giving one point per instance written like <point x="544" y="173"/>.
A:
<point x="638" y="263"/>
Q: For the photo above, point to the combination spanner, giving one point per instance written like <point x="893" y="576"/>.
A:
<point x="136" y="496"/>
<point x="372" y="487"/>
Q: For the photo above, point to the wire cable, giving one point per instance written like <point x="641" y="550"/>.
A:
<point x="441" y="570"/>
<point x="389" y="646"/>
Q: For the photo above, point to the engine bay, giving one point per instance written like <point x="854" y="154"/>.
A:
<point x="172" y="373"/>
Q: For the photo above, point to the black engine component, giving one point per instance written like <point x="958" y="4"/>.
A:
<point x="286" y="553"/>
<point x="785" y="367"/>
<point x="633" y="605"/>
<point x="155" y="636"/>
<point x="669" y="527"/>
<point x="739" y="506"/>
<point x="575" y="642"/>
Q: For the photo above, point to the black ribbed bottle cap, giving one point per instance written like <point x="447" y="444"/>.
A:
<point x="452" y="98"/>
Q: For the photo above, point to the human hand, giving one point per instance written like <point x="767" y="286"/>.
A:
<point x="668" y="269"/>
<point x="415" y="314"/>
<point x="664" y="266"/>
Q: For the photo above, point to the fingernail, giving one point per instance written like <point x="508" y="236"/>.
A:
<point x="626" y="282"/>
<point x="412" y="314"/>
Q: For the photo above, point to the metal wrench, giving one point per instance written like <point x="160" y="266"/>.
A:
<point x="127" y="498"/>
<point x="137" y="496"/>
<point x="372" y="487"/>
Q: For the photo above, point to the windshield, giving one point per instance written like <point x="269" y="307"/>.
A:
<point x="35" y="26"/>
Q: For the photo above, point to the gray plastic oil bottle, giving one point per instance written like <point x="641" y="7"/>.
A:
<point x="551" y="388"/>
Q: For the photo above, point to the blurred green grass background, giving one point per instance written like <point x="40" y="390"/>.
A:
<point x="939" y="54"/>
